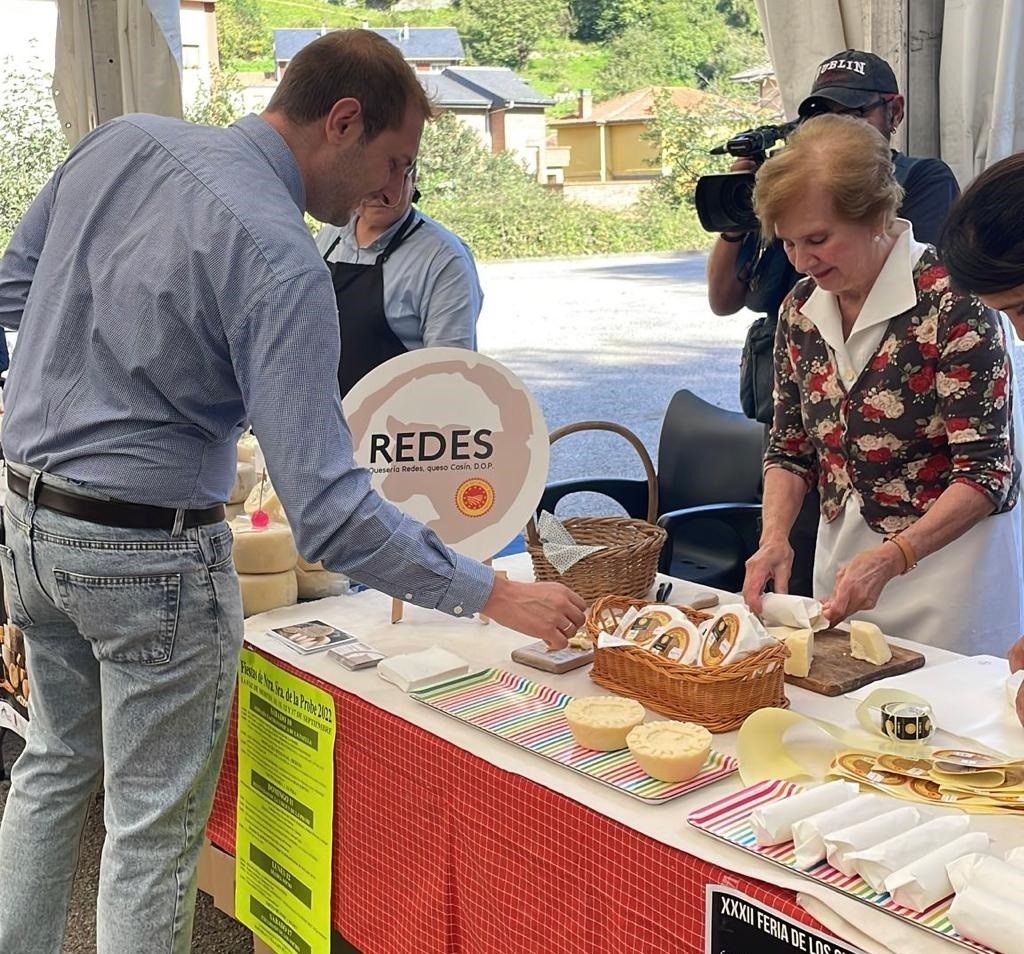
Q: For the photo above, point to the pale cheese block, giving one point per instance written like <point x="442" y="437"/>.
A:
<point x="670" y="751"/>
<point x="266" y="591"/>
<point x="245" y="480"/>
<point x="270" y="550"/>
<point x="800" y="644"/>
<point x="304" y="564"/>
<point x="868" y="643"/>
<point x="247" y="448"/>
<point x="270" y="503"/>
<point x="233" y="510"/>
<point x="603" y="722"/>
<point x="320" y="584"/>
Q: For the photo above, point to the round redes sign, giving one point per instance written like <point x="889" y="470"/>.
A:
<point x="455" y="440"/>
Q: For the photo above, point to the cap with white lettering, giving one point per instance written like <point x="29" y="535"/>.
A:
<point x="851" y="79"/>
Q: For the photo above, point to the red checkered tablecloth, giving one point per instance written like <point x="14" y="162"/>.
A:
<point x="437" y="850"/>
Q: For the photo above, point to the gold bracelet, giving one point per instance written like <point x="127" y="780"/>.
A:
<point x="909" y="557"/>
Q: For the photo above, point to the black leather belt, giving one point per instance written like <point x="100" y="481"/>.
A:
<point x="111" y="513"/>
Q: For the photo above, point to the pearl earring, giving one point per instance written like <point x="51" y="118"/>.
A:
<point x="878" y="238"/>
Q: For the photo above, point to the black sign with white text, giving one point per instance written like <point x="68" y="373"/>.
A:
<point x="737" y="924"/>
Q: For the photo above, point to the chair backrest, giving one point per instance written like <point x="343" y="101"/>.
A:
<point x="707" y="455"/>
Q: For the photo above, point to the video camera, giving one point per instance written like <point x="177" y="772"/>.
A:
<point x="724" y="201"/>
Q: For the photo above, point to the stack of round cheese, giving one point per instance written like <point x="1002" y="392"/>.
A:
<point x="316" y="583"/>
<point x="265" y="559"/>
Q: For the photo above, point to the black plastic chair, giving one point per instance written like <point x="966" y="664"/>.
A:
<point x="709" y="490"/>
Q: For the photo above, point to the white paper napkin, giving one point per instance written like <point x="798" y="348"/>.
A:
<point x="560" y="549"/>
<point x="925" y="881"/>
<point x="843" y="841"/>
<point x="796" y="612"/>
<point x="809" y="834"/>
<point x="876" y="863"/>
<point x="987" y="903"/>
<point x="773" y="823"/>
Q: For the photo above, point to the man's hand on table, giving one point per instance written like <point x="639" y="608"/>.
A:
<point x="860" y="582"/>
<point x="549" y="611"/>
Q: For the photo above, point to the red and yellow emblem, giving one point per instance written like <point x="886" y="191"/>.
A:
<point x="474" y="497"/>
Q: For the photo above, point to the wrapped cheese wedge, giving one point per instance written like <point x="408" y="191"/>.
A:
<point x="843" y="841"/>
<point x="320" y="584"/>
<point x="925" y="881"/>
<point x="268" y="502"/>
<point x="809" y="834"/>
<point x="773" y="822"/>
<point x="796" y="612"/>
<point x="732" y="634"/>
<point x="987" y="903"/>
<point x="245" y="480"/>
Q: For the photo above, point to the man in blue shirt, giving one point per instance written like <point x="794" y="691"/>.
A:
<point x="166" y="291"/>
<point x="402" y="281"/>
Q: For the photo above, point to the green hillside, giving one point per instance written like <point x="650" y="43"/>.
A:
<point x="559" y="46"/>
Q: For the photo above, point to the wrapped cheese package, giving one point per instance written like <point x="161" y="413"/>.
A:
<point x="987" y="903"/>
<point x="732" y="634"/>
<point x="809" y="833"/>
<point x="925" y="881"/>
<point x="658" y="628"/>
<point x="843" y="841"/>
<point x="773" y="822"/>
<point x="796" y="612"/>
<point x="876" y="863"/>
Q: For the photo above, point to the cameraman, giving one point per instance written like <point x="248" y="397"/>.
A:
<point x="742" y="273"/>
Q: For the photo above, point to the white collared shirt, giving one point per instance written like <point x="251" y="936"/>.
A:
<point x="893" y="293"/>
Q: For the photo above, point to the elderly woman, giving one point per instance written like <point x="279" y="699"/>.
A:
<point x="893" y="393"/>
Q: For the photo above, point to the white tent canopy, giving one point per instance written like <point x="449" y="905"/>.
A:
<point x="115" y="57"/>
<point x="960" y="64"/>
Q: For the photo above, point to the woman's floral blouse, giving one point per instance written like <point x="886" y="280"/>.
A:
<point x="931" y="408"/>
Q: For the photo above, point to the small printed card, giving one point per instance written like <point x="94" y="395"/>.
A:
<point x="312" y="636"/>
<point x="356" y="655"/>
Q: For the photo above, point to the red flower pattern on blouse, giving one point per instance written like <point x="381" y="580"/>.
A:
<point x="932" y="407"/>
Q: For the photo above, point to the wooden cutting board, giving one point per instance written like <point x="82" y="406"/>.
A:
<point x="835" y="672"/>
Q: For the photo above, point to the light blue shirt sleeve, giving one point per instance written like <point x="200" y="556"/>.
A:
<point x="20" y="260"/>
<point x="286" y="357"/>
<point x="452" y="300"/>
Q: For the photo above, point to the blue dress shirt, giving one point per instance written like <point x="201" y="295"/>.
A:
<point x="165" y="290"/>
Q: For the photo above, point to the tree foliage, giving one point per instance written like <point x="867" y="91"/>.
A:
<point x="219" y="103"/>
<point x="32" y="144"/>
<point x="242" y="31"/>
<point x="506" y="33"/>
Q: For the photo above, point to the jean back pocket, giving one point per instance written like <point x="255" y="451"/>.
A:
<point x="13" y="602"/>
<point x="128" y="619"/>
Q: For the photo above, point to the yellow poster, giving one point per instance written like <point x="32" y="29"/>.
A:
<point x="285" y="808"/>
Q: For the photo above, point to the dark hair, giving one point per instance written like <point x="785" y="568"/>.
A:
<point x="350" y="63"/>
<point x="982" y="242"/>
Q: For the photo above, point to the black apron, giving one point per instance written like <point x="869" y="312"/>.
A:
<point x="366" y="337"/>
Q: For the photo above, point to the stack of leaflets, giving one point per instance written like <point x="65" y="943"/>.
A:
<point x="312" y="636"/>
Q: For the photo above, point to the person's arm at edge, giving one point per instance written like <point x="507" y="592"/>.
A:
<point x="18" y="264"/>
<point x="451" y="304"/>
<point x="931" y="191"/>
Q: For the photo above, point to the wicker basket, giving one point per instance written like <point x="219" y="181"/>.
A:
<point x="629" y="562"/>
<point x="717" y="698"/>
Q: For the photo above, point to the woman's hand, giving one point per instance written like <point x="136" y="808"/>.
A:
<point x="860" y="582"/>
<point x="773" y="561"/>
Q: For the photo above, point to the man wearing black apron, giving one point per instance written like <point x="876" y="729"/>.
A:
<point x="420" y="290"/>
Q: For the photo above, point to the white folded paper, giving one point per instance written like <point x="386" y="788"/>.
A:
<point x="773" y="823"/>
<point x="412" y="671"/>
<point x="1013" y="684"/>
<point x="876" y="863"/>
<point x="809" y="834"/>
<point x="843" y="841"/>
<point x="797" y="612"/>
<point x="1015" y="857"/>
<point x="987" y="903"/>
<point x="925" y="881"/>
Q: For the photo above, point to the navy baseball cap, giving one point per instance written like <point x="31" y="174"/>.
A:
<point x="852" y="79"/>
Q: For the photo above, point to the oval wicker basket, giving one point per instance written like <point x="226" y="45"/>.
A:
<point x="629" y="562"/>
<point x="719" y="698"/>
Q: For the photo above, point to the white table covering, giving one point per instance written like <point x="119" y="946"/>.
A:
<point x="367" y="615"/>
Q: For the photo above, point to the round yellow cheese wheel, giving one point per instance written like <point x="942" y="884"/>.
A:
<point x="670" y="751"/>
<point x="270" y="550"/>
<point x="266" y="591"/>
<point x="603" y="722"/>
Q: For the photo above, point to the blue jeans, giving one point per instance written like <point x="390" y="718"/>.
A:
<point x="132" y="640"/>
